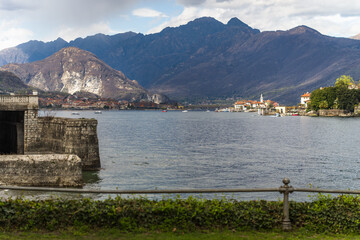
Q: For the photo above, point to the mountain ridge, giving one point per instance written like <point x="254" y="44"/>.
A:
<point x="73" y="70"/>
<point x="208" y="59"/>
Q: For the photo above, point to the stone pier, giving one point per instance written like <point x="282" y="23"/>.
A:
<point x="25" y="139"/>
<point x="70" y="136"/>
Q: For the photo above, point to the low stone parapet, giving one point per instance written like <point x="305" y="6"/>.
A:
<point x="51" y="170"/>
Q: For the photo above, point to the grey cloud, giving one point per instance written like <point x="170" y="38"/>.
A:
<point x="79" y="12"/>
<point x="13" y="5"/>
<point x="191" y="2"/>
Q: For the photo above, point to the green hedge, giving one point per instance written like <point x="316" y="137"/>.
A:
<point x="339" y="214"/>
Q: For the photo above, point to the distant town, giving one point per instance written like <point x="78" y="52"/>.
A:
<point x="59" y="101"/>
<point x="73" y="102"/>
<point x="342" y="99"/>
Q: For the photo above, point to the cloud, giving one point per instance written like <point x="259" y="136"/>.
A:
<point x="67" y="12"/>
<point x="71" y="33"/>
<point x="190" y="2"/>
<point x="14" y="5"/>
<point x="11" y="35"/>
<point x="42" y="18"/>
<point x="330" y="17"/>
<point x="147" y="12"/>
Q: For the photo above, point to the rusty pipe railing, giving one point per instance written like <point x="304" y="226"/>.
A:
<point x="285" y="189"/>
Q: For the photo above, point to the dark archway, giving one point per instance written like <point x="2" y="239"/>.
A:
<point x="11" y="132"/>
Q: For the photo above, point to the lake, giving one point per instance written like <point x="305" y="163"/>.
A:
<point x="157" y="150"/>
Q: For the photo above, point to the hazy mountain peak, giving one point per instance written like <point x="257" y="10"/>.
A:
<point x="60" y="40"/>
<point x="204" y="20"/>
<point x="303" y="29"/>
<point x="68" y="51"/>
<point x="235" y="22"/>
<point x="202" y="26"/>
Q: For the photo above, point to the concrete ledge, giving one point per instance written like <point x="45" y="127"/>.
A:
<point x="51" y="170"/>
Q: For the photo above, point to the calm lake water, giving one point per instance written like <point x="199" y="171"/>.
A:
<point x="156" y="150"/>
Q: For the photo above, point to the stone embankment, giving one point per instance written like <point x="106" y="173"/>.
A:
<point x="51" y="170"/>
<point x="331" y="113"/>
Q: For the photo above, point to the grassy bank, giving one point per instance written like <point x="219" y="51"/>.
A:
<point x="322" y="215"/>
<point x="110" y="234"/>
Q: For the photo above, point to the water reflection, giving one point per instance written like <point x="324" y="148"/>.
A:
<point x="91" y="177"/>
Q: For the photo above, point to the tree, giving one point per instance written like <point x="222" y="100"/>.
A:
<point x="347" y="98"/>
<point x="324" y="105"/>
<point x="317" y="96"/>
<point x="338" y="97"/>
<point x="344" y="80"/>
<point x="330" y="96"/>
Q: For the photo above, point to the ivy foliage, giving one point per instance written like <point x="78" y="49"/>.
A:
<point x="324" y="214"/>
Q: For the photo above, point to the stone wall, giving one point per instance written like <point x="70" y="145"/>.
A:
<point x="334" y="113"/>
<point x="70" y="136"/>
<point x="28" y="130"/>
<point x="52" y="170"/>
<point x="31" y="129"/>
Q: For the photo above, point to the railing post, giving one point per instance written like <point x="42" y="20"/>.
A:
<point x="286" y="189"/>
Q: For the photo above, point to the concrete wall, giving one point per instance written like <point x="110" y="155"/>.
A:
<point x="52" y="170"/>
<point x="70" y="136"/>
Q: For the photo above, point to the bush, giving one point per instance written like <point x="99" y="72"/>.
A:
<point x="324" y="214"/>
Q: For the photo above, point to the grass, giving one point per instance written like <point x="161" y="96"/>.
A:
<point x="107" y="234"/>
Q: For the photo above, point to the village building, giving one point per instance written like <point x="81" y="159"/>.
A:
<point x="305" y="99"/>
<point x="244" y="105"/>
<point x="286" y="110"/>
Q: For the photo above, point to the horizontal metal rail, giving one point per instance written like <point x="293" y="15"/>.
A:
<point x="318" y="190"/>
<point x="155" y="191"/>
<point x="164" y="191"/>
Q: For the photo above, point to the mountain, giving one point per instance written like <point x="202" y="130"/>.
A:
<point x="9" y="82"/>
<point x="280" y="64"/>
<point x="74" y="70"/>
<point x="356" y="37"/>
<point x="31" y="51"/>
<point x="206" y="59"/>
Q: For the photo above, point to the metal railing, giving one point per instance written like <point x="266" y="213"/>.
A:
<point x="284" y="189"/>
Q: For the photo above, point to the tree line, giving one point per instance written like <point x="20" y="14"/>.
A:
<point x="345" y="95"/>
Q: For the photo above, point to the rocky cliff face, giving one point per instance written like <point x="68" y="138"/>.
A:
<point x="74" y="70"/>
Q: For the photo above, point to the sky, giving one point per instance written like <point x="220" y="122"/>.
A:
<point x="46" y="20"/>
